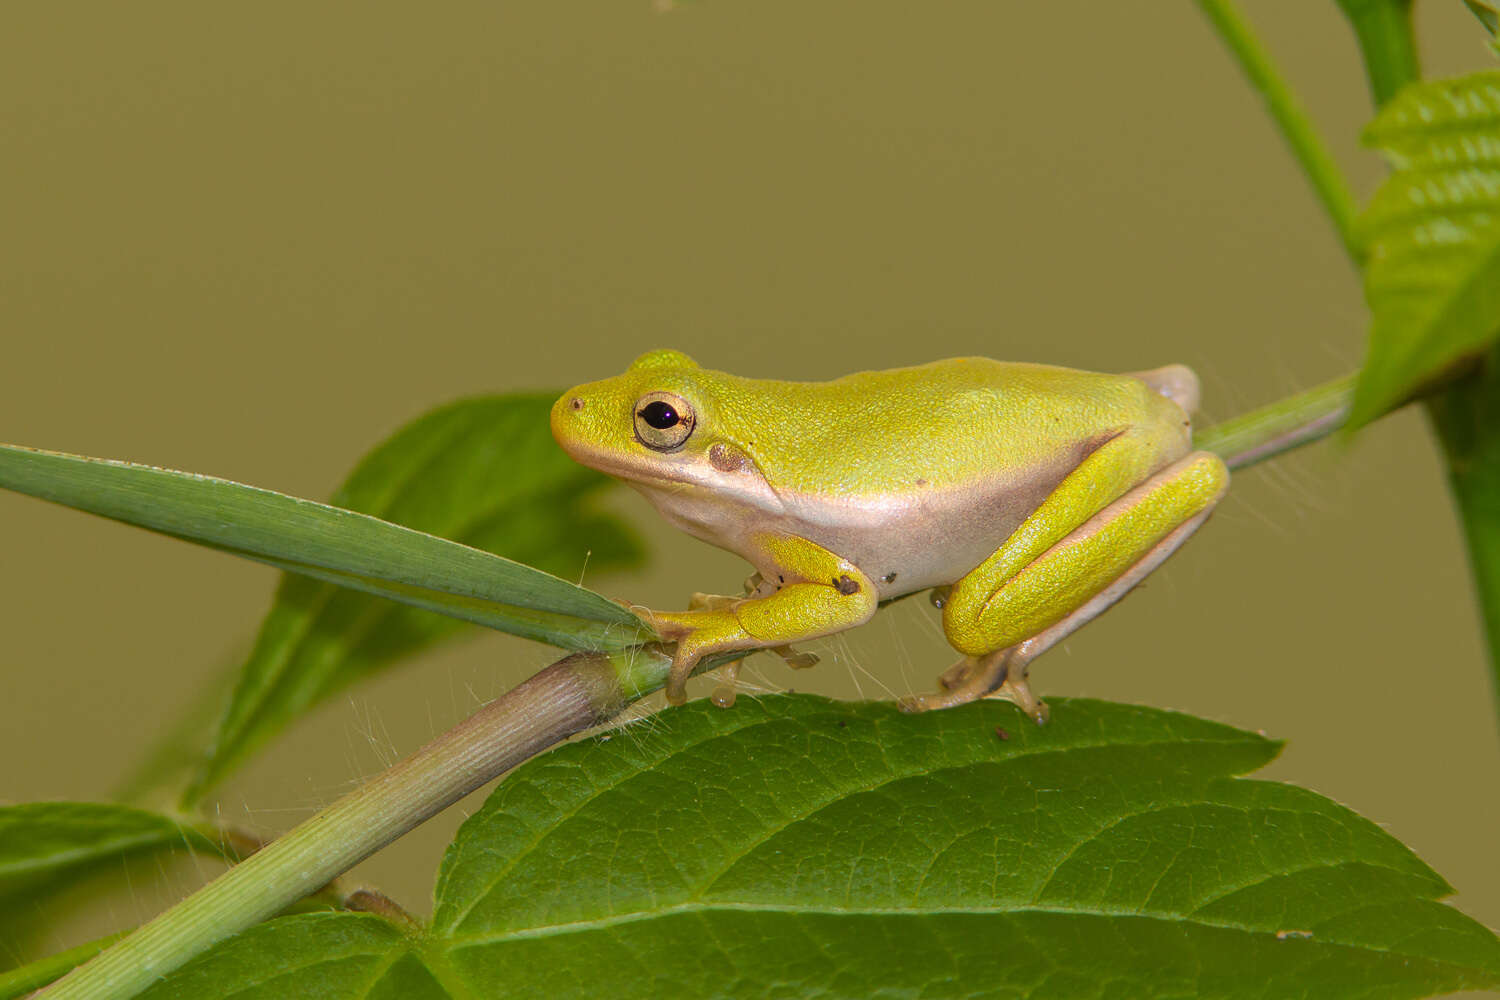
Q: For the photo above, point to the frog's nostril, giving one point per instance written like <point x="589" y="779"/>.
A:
<point x="576" y="402"/>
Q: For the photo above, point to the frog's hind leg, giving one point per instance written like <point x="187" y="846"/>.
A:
<point x="1003" y="673"/>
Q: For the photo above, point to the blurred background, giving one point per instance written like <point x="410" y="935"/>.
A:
<point x="251" y="242"/>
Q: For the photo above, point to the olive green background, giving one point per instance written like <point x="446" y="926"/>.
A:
<point x="251" y="241"/>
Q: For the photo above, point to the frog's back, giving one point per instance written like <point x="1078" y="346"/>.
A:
<point x="943" y="425"/>
<point x="917" y="474"/>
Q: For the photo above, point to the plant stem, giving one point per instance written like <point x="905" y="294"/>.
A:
<point x="1386" y="43"/>
<point x="1283" y="425"/>
<point x="567" y="697"/>
<point x="1317" y="163"/>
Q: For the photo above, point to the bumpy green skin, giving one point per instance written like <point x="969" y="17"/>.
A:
<point x="1036" y="493"/>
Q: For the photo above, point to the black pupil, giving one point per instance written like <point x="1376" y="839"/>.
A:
<point x="659" y="415"/>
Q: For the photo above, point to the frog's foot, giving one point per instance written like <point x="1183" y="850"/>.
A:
<point x="822" y="594"/>
<point x="1001" y="674"/>
<point x="679" y="626"/>
<point x="698" y="634"/>
<point x="968" y="680"/>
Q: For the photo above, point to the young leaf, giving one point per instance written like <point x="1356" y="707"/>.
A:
<point x="484" y="472"/>
<point x="794" y="846"/>
<point x="328" y="543"/>
<point x="1433" y="235"/>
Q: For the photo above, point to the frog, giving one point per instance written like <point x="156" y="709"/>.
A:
<point x="1025" y="498"/>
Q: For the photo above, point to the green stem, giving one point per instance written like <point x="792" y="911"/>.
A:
<point x="1283" y="425"/>
<point x="1317" y="163"/>
<point x="1386" y="43"/>
<point x="564" y="698"/>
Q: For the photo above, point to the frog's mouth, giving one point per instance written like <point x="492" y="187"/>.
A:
<point x="714" y="478"/>
<point x="644" y="473"/>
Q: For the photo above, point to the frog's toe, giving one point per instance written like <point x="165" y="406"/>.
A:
<point x="728" y="686"/>
<point x="1017" y="691"/>
<point x="911" y="704"/>
<point x="957" y="675"/>
<point x="961" y="683"/>
<point x="914" y="703"/>
<point x="795" y="659"/>
<point x="976" y="677"/>
<point x="683" y="663"/>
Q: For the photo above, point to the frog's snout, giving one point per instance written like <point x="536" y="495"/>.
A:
<point x="565" y="414"/>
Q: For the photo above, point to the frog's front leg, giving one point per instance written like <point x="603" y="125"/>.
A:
<point x="817" y="593"/>
<point x="1003" y="615"/>
<point x="729" y="674"/>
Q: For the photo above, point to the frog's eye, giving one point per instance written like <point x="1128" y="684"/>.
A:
<point x="663" y="421"/>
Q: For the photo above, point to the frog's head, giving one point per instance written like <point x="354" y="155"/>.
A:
<point x="655" y="425"/>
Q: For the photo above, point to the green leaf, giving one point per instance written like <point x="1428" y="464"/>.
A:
<point x="41" y="842"/>
<point x="1433" y="235"/>
<point x="21" y="981"/>
<point x="794" y="846"/>
<point x="484" y="472"/>
<point x="47" y="846"/>
<point x="328" y="543"/>
<point x="325" y="955"/>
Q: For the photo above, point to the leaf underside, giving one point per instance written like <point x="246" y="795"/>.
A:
<point x="1433" y="235"/>
<point x="794" y="846"/>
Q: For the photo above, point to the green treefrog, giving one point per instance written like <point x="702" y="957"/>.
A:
<point x="1028" y="498"/>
